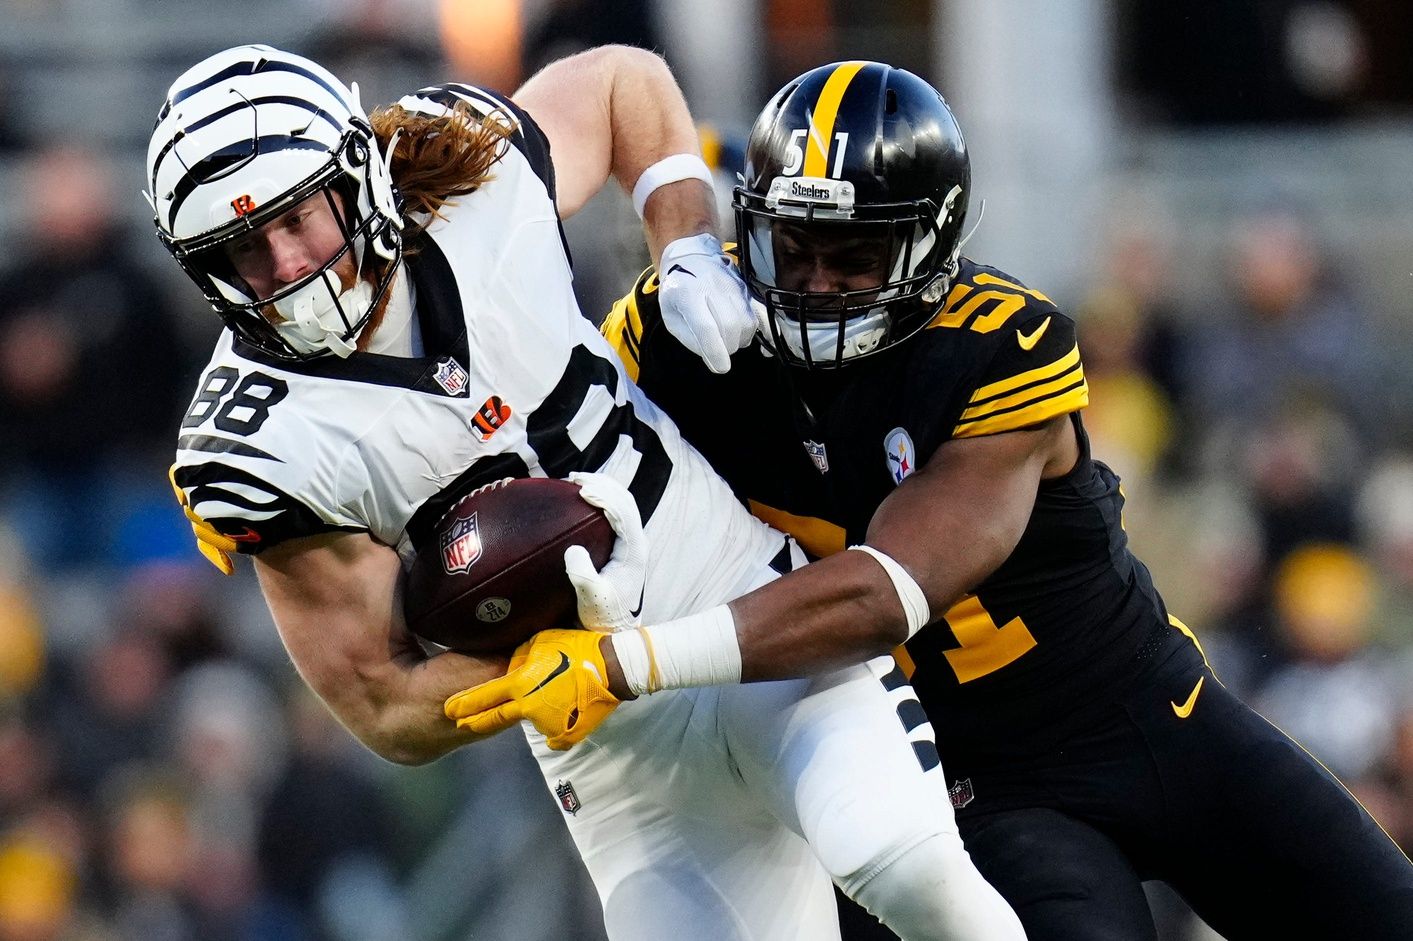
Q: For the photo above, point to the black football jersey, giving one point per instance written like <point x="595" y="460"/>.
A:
<point x="1052" y="634"/>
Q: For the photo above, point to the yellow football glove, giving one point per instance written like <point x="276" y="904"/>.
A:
<point x="557" y="680"/>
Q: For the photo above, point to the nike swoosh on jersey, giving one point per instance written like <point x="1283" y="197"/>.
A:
<point x="681" y="269"/>
<point x="1028" y="342"/>
<point x="249" y="535"/>
<point x="563" y="665"/>
<point x="1185" y="709"/>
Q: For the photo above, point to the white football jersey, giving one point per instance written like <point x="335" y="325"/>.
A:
<point x="513" y="382"/>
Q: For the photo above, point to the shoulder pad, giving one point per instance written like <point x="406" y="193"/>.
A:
<point x="525" y="134"/>
<point x="1028" y="365"/>
<point x="234" y="510"/>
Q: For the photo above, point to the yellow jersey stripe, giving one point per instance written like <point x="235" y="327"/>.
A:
<point x="1029" y="394"/>
<point x="623" y="329"/>
<point x="1044" y="410"/>
<point x="819" y="537"/>
<point x="826" y="109"/>
<point x="984" y="278"/>
<point x="1172" y="620"/>
<point x="1040" y="374"/>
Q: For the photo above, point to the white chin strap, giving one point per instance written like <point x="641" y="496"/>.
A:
<point x="861" y="335"/>
<point x="312" y="321"/>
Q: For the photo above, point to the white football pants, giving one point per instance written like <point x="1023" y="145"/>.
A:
<point x="722" y="814"/>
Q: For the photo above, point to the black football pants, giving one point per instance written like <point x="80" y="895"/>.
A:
<point x="1253" y="832"/>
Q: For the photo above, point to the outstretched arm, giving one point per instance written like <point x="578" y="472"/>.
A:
<point x="615" y="111"/>
<point x="335" y="602"/>
<point x="949" y="525"/>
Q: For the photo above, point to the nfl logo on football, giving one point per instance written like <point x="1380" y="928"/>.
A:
<point x="461" y="545"/>
<point x="451" y="377"/>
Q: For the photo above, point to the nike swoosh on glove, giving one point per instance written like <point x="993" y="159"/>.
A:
<point x="557" y="681"/>
<point x="703" y="300"/>
<point x="612" y="598"/>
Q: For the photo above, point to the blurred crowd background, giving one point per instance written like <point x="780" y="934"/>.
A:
<point x="1218" y="190"/>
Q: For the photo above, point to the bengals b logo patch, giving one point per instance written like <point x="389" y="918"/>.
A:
<point x="491" y="416"/>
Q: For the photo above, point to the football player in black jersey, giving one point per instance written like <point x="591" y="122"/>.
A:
<point x="905" y="399"/>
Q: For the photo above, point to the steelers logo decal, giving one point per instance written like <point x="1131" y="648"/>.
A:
<point x="902" y="459"/>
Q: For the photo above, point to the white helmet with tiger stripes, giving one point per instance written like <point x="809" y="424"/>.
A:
<point x="242" y="137"/>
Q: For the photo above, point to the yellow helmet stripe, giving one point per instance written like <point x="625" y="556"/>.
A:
<point x="826" y="109"/>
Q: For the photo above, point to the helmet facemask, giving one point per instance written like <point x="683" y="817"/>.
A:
<point x="838" y="282"/>
<point x="864" y="166"/>
<point x="226" y="169"/>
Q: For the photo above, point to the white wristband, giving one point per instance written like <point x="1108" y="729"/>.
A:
<point x="697" y="650"/>
<point x="909" y="591"/>
<point x="668" y="170"/>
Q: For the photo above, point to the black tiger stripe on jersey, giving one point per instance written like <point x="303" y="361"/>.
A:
<point x="214" y="483"/>
<point x="215" y="444"/>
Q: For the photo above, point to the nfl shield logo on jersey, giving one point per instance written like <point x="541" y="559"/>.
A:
<point x="816" y="452"/>
<point x="901" y="460"/>
<point x="569" y="800"/>
<point x="961" y="793"/>
<point x="461" y="545"/>
<point x="450" y="376"/>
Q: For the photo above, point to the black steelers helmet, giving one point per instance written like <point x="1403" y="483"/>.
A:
<point x="849" y="213"/>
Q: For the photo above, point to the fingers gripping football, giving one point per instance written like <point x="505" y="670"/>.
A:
<point x="703" y="300"/>
<point x="557" y="682"/>
<point x="610" y="599"/>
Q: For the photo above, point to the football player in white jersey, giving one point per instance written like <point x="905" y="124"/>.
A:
<point x="401" y="330"/>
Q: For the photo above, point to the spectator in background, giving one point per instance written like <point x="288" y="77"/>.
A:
<point x="37" y="890"/>
<point x="150" y="853"/>
<point x="1385" y="524"/>
<point x="311" y="846"/>
<point x="103" y="713"/>
<point x="1293" y="333"/>
<point x="1335" y="693"/>
<point x="1394" y="776"/>
<point x="13" y="137"/>
<point x="1130" y="417"/>
<point x="79" y="317"/>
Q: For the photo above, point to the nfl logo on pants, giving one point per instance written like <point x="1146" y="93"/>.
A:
<point x="569" y="800"/>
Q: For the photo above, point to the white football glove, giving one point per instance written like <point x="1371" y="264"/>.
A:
<point x="612" y="598"/>
<point x="704" y="301"/>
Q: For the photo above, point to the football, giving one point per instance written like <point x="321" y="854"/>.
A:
<point x="492" y="572"/>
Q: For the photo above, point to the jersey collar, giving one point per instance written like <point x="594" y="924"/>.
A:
<point x="440" y="317"/>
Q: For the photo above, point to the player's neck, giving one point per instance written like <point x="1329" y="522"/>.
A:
<point x="393" y="329"/>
